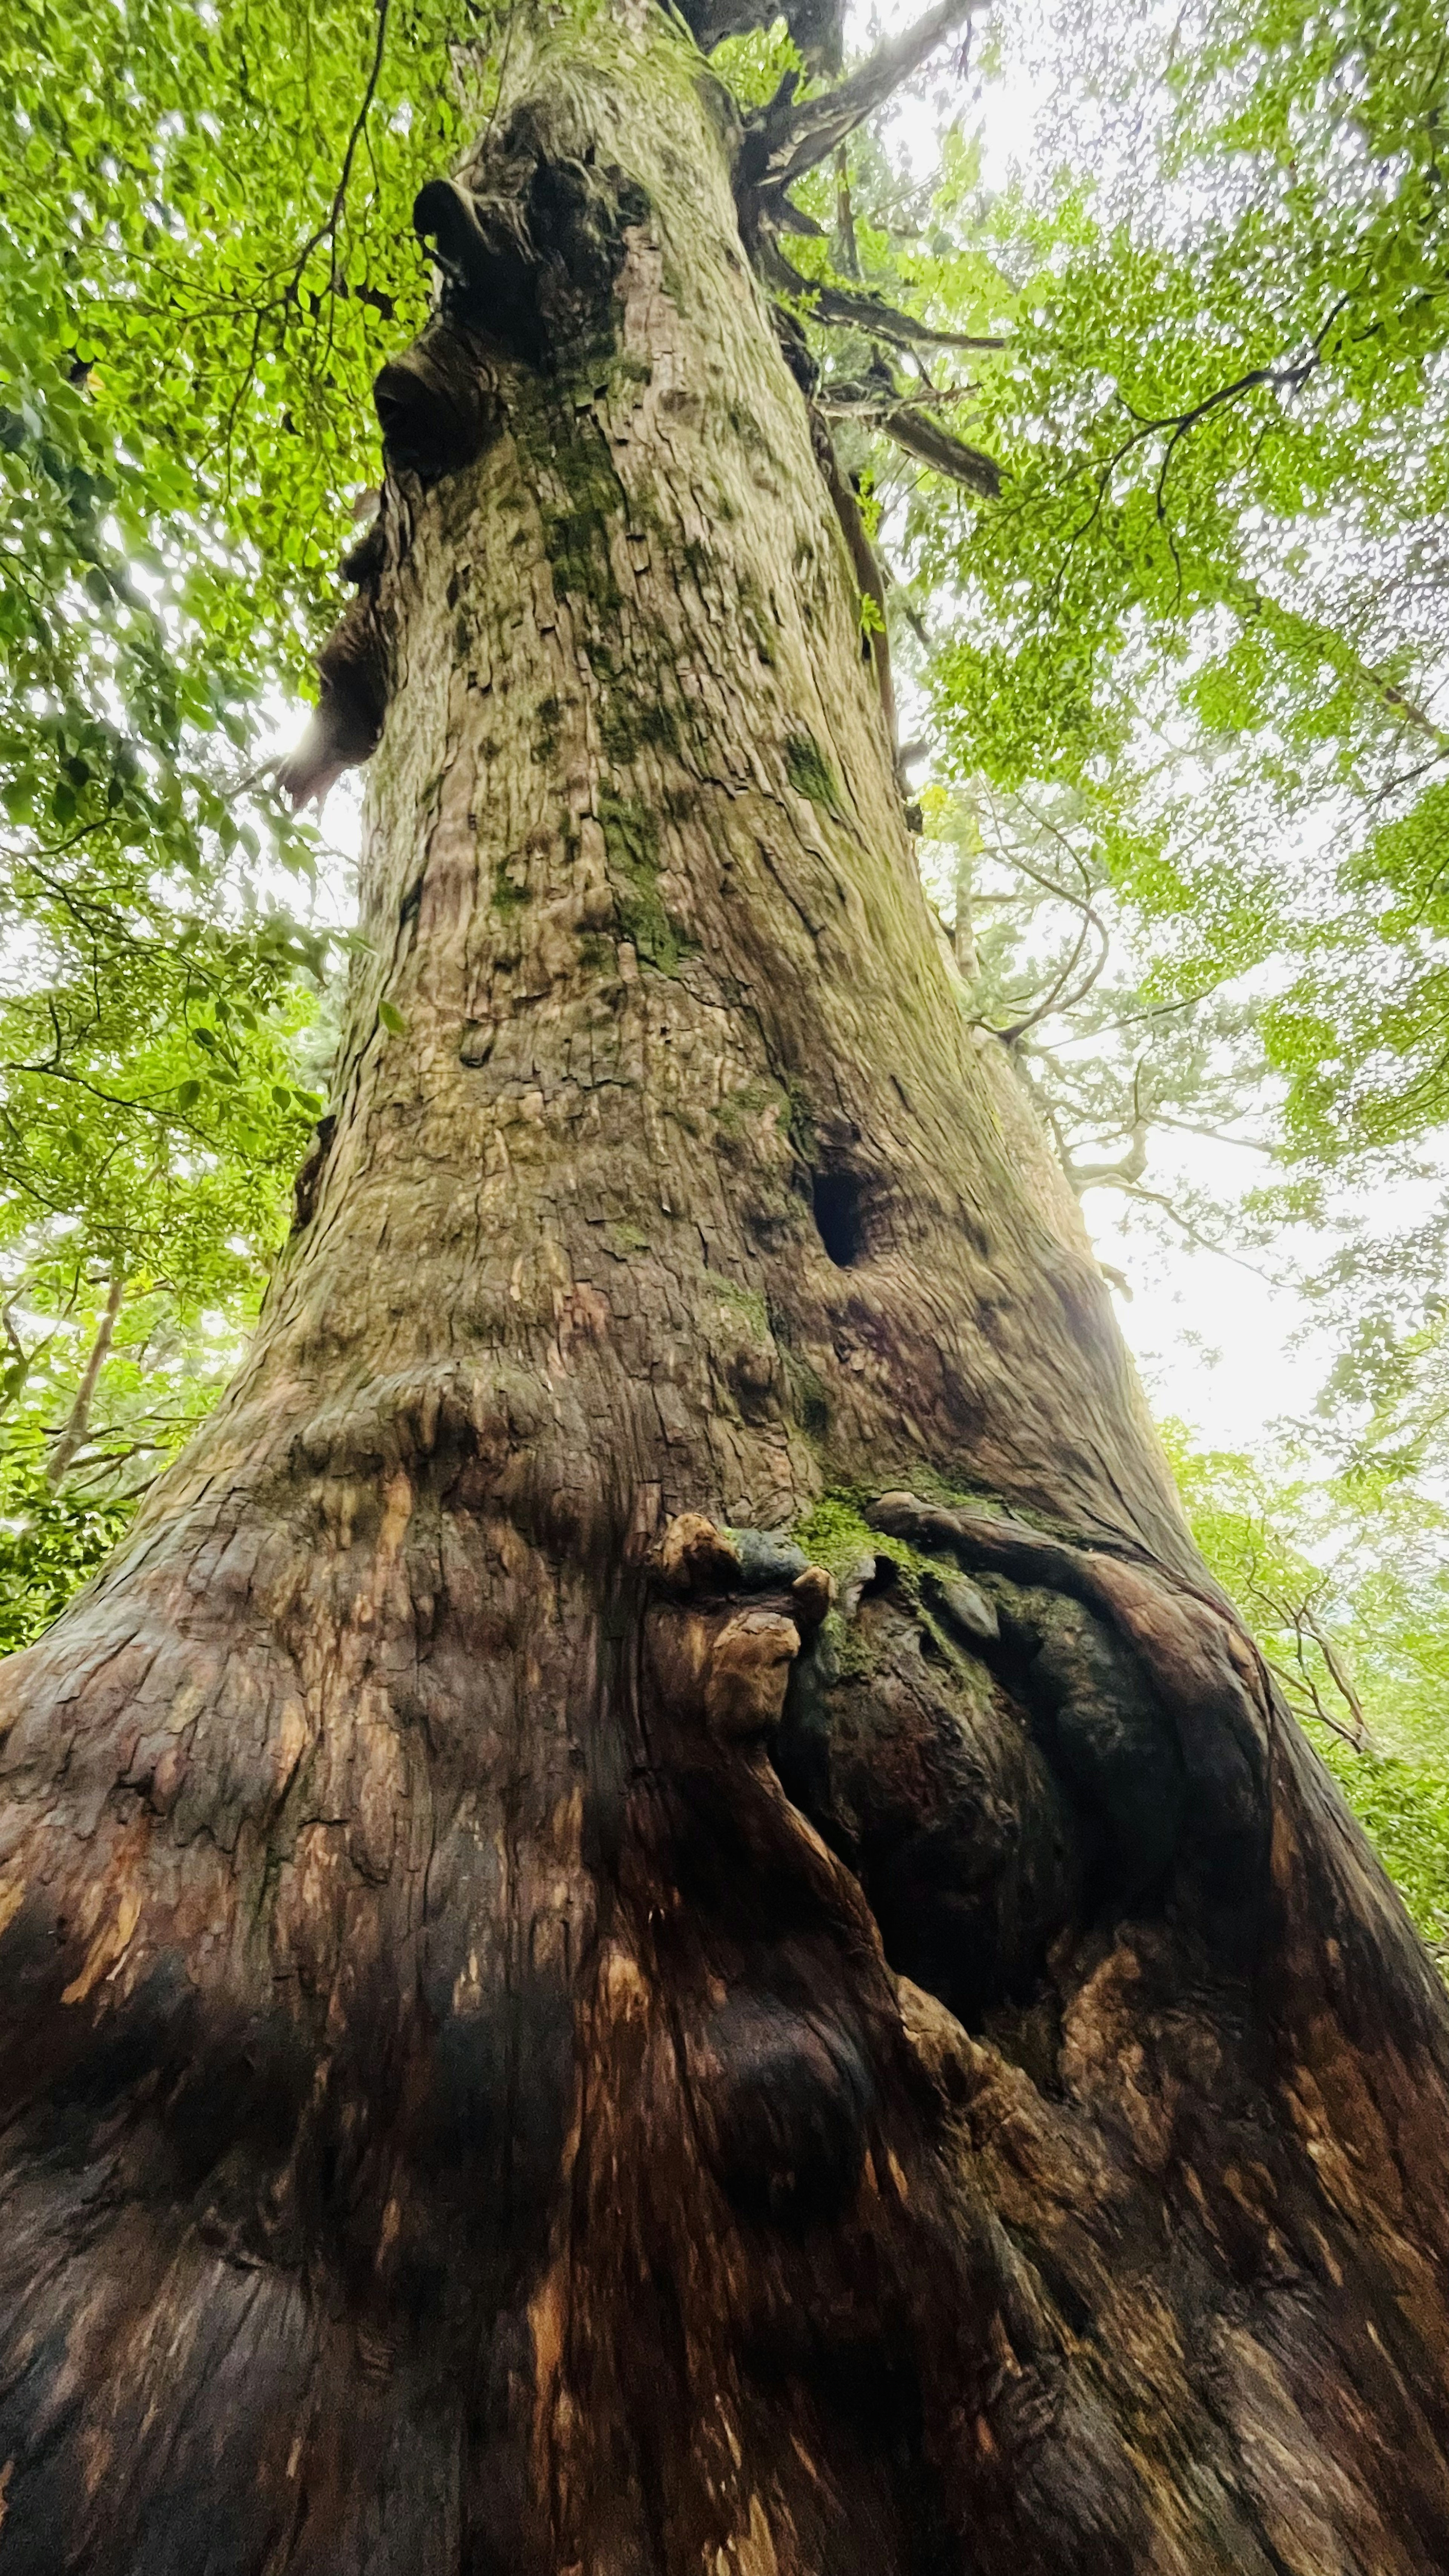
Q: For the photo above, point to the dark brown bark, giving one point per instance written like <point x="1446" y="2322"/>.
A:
<point x="529" y="2040"/>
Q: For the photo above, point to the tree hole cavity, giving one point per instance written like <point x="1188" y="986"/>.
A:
<point x="839" y="1205"/>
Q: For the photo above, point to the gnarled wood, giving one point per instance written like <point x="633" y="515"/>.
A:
<point x="566" y="2004"/>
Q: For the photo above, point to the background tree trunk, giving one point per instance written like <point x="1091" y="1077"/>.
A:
<point x="527" y="2046"/>
<point x="74" y="1429"/>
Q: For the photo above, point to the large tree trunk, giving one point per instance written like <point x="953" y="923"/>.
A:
<point x="522" y="2048"/>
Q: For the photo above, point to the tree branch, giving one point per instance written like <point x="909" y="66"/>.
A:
<point x="946" y="454"/>
<point x="875" y="401"/>
<point x="1090" y="917"/>
<point x="79" y="1419"/>
<point x="845" y="214"/>
<point x="789" y="136"/>
<point x="1338" y="1674"/>
<point x="862" y="312"/>
<point x="1202" y="1242"/>
<point x="1248" y="601"/>
<point x="1127" y="1169"/>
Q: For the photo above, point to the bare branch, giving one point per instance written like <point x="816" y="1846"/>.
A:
<point x="863" y="311"/>
<point x="875" y="398"/>
<point x="1127" y="1169"/>
<point x="1191" y="1233"/>
<point x="845" y="214"/>
<point x="1090" y="918"/>
<point x="1052" y="999"/>
<point x="78" y="1422"/>
<point x="1214" y="1135"/>
<point x="789" y="136"/>
<point x="946" y="454"/>
<point x="863" y="401"/>
<point x="1338" y="1673"/>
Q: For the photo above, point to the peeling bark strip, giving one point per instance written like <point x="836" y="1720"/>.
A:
<point x="598" y="1970"/>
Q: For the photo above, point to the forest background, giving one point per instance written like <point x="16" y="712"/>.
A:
<point x="1144" y="391"/>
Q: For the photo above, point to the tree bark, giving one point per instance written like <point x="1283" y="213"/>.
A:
<point x="78" y="1421"/>
<point x="531" y="2041"/>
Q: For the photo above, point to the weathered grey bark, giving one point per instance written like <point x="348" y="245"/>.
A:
<point x="522" y="2048"/>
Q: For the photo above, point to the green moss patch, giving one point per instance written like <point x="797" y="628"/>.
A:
<point x="631" y="850"/>
<point x="835" y="1533"/>
<point x="747" y="1102"/>
<point x="810" y="774"/>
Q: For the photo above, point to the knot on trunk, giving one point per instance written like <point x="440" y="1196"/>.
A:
<point x="355" y="668"/>
<point x="749" y="1671"/>
<point x="308" y="1182"/>
<point x="354" y="672"/>
<point x="1147" y="1701"/>
<point x="787" y="2098"/>
<point x="725" y="1666"/>
<point x="437" y="404"/>
<point x="695" y="1557"/>
<point x="531" y="260"/>
<point x="528" y="268"/>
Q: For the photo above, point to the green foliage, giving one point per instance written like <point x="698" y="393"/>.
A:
<point x="205" y="252"/>
<point x="631" y="846"/>
<point x="753" y="65"/>
<point x="1345" y="1583"/>
<point x="49" y="1546"/>
<point x="1404" y="1807"/>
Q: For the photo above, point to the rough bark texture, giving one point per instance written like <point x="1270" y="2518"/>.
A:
<point x="531" y="2040"/>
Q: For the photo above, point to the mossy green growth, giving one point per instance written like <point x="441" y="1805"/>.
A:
<point x="836" y="1534"/>
<point x="929" y="1487"/>
<point x="747" y="1102"/>
<point x="809" y="1401"/>
<point x="618" y="728"/>
<point x="659" y="725"/>
<point x="810" y="773"/>
<point x="800" y="1121"/>
<point x="744" y="1302"/>
<point x="631" y="851"/>
<point x="755" y="615"/>
<point x="507" y="898"/>
<point x="548" y="721"/>
<point x="626" y="722"/>
<point x="576" y="529"/>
